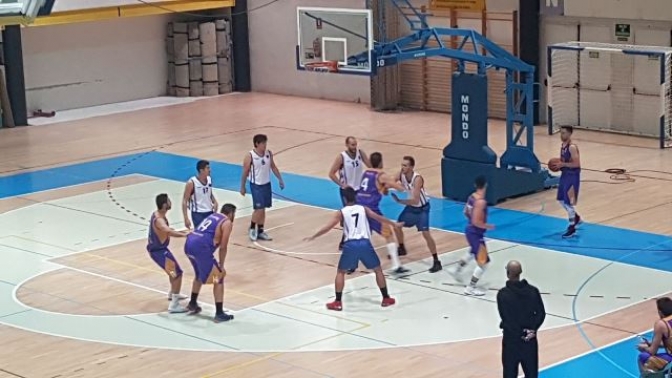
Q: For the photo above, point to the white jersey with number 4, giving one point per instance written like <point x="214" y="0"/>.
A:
<point x="355" y="224"/>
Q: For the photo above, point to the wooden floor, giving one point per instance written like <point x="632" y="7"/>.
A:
<point x="305" y="135"/>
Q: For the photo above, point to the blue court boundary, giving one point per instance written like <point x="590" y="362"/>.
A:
<point x="532" y="229"/>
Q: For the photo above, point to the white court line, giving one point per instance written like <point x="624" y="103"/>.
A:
<point x="384" y="347"/>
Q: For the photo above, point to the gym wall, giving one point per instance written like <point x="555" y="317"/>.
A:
<point x="649" y="25"/>
<point x="425" y="84"/>
<point x="273" y="38"/>
<point x="94" y="63"/>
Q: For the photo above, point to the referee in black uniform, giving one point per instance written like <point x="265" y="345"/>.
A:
<point x="522" y="312"/>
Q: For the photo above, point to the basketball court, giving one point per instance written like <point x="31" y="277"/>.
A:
<point x="77" y="191"/>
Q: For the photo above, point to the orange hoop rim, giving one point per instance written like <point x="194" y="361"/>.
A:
<point x="326" y="66"/>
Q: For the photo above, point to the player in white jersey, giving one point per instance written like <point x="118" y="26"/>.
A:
<point x="198" y="197"/>
<point x="348" y="168"/>
<point x="416" y="212"/>
<point x="257" y="167"/>
<point x="357" y="246"/>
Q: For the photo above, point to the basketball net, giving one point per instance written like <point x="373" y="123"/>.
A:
<point x="329" y="66"/>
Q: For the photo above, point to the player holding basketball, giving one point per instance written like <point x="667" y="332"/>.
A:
<point x="357" y="246"/>
<point x="210" y="235"/>
<point x="416" y="212"/>
<point x="373" y="185"/>
<point x="257" y="167"/>
<point x="157" y="246"/>
<point x="476" y="211"/>
<point x="198" y="196"/>
<point x="570" y="179"/>
<point x="347" y="169"/>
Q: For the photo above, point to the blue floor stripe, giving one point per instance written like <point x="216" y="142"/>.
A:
<point x="604" y="242"/>
<point x="595" y="365"/>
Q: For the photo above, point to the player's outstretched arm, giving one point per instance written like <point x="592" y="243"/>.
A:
<point x="381" y="219"/>
<point x="247" y="164"/>
<point x="336" y="219"/>
<point x="414" y="198"/>
<point x="391" y="183"/>
<point x="188" y="191"/>
<point x="162" y="225"/>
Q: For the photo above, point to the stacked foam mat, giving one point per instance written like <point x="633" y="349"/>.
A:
<point x="199" y="58"/>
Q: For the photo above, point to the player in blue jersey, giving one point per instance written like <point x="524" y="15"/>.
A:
<point x="357" y="246"/>
<point x="570" y="179"/>
<point x="211" y="234"/>
<point x="476" y="211"/>
<point x="157" y="247"/>
<point x="374" y="184"/>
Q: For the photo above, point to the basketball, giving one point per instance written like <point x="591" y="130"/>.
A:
<point x="554" y="164"/>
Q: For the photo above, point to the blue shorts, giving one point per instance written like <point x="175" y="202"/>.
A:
<point x="166" y="261"/>
<point x="197" y="218"/>
<point x="568" y="188"/>
<point x="416" y="217"/>
<point x="358" y="250"/>
<point x="262" y="196"/>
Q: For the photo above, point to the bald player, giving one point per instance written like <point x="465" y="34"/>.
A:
<point x="347" y="169"/>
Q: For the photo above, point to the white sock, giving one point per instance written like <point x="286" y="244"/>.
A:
<point x="571" y="213"/>
<point x="478" y="273"/>
<point x="463" y="262"/>
<point x="174" y="300"/>
<point x="392" y="251"/>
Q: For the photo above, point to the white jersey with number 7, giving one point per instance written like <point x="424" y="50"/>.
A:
<point x="355" y="223"/>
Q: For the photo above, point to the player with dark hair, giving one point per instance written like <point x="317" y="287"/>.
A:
<point x="416" y="212"/>
<point x="257" y="167"/>
<point x="357" y="246"/>
<point x="210" y="235"/>
<point x="374" y="184"/>
<point x="157" y="246"/>
<point x="570" y="179"/>
<point x="347" y="169"/>
<point x="198" y="197"/>
<point x="476" y="211"/>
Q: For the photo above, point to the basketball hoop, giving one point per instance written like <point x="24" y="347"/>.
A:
<point x="329" y="66"/>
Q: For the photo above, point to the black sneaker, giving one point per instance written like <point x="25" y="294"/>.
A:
<point x="436" y="267"/>
<point x="193" y="309"/>
<point x="401" y="270"/>
<point x="571" y="230"/>
<point x="223" y="317"/>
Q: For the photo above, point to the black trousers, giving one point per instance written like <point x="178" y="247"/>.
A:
<point x="517" y="352"/>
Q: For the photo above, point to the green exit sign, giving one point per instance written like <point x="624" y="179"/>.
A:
<point x="622" y="30"/>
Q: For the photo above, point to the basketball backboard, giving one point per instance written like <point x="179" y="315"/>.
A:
<point x="335" y="35"/>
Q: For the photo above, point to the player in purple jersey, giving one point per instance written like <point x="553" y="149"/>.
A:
<point x="157" y="246"/>
<point x="570" y="179"/>
<point x="211" y="234"/>
<point x="374" y="184"/>
<point x="476" y="211"/>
